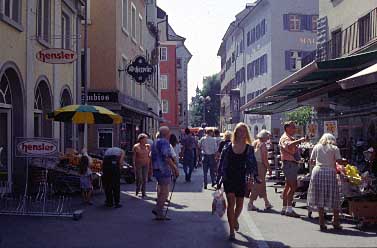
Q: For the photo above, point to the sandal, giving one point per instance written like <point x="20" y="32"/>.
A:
<point x="251" y="207"/>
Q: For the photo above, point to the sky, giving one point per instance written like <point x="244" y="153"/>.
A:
<point x="203" y="23"/>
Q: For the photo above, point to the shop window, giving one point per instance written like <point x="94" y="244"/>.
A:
<point x="163" y="54"/>
<point x="105" y="137"/>
<point x="44" y="20"/>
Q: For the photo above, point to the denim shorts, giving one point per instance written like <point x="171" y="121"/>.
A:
<point x="290" y="169"/>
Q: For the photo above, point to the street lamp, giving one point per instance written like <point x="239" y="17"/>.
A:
<point x="204" y="100"/>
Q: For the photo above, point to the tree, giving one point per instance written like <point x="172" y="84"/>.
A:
<point x="211" y="89"/>
<point x="301" y="116"/>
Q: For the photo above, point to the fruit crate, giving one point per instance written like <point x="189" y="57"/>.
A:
<point x="364" y="211"/>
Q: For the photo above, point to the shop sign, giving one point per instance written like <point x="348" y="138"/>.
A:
<point x="57" y="56"/>
<point x="37" y="147"/>
<point x="140" y="70"/>
<point x="331" y="127"/>
<point x="102" y="97"/>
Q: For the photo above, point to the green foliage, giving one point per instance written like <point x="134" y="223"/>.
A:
<point x="301" y="116"/>
<point x="211" y="88"/>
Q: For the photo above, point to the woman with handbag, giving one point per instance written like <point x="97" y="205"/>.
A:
<point x="236" y="163"/>
<point x="261" y="155"/>
<point x="323" y="190"/>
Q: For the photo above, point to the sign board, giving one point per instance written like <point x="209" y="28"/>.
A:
<point x="102" y="97"/>
<point x="331" y="127"/>
<point x="140" y="70"/>
<point x="37" y="147"/>
<point x="57" y="56"/>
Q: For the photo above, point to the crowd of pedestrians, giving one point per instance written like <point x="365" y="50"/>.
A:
<point x="235" y="163"/>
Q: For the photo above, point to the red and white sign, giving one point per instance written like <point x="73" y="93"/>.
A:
<point x="36" y="147"/>
<point x="57" y="56"/>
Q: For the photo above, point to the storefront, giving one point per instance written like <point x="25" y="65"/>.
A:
<point x="11" y="121"/>
<point x="331" y="88"/>
<point x="137" y="118"/>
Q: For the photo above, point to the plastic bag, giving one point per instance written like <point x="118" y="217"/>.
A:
<point x="218" y="203"/>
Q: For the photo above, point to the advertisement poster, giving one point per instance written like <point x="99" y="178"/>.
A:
<point x="313" y="130"/>
<point x="331" y="127"/>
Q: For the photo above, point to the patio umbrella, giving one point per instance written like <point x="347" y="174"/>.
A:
<point x="85" y="114"/>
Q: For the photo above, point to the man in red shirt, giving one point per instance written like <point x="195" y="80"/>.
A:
<point x="289" y="156"/>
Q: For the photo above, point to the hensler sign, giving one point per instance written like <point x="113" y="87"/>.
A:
<point x="37" y="147"/>
<point x="57" y="56"/>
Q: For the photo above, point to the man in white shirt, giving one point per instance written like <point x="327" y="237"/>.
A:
<point x="208" y="147"/>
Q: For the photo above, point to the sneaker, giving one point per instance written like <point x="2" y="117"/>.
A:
<point x="283" y="212"/>
<point x="213" y="185"/>
<point x="292" y="214"/>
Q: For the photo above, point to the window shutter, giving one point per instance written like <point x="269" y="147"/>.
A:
<point x="286" y="21"/>
<point x="303" y="21"/>
<point x="252" y="72"/>
<point x="258" y="32"/>
<point x="252" y="35"/>
<point x="248" y="38"/>
<point x="288" y="60"/>
<point x="263" y="25"/>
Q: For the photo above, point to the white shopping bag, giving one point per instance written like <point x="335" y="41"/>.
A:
<point x="218" y="203"/>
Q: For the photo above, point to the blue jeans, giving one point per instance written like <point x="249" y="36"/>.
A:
<point x="209" y="163"/>
<point x="188" y="163"/>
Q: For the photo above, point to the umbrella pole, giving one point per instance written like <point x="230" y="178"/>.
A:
<point x="86" y="135"/>
<point x="86" y="70"/>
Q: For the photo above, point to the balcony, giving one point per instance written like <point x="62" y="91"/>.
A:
<point x="358" y="36"/>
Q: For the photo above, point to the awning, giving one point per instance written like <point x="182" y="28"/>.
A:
<point x="312" y="80"/>
<point x="362" y="78"/>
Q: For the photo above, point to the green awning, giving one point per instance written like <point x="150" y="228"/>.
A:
<point x="310" y="79"/>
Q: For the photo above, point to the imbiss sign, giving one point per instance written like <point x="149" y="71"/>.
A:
<point x="37" y="147"/>
<point x="56" y="56"/>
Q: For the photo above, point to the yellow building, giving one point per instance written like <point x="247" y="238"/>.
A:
<point x="30" y="88"/>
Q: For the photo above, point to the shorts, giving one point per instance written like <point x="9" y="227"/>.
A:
<point x="290" y="169"/>
<point x="236" y="188"/>
<point x="161" y="179"/>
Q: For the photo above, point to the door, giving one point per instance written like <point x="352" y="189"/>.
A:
<point x="5" y="150"/>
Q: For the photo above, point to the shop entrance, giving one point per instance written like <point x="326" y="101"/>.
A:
<point x="5" y="148"/>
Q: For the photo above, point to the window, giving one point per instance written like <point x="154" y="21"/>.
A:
<point x="336" y="40"/>
<point x="293" y="60"/>
<point x="314" y="23"/>
<point x="66" y="31"/>
<point x="44" y="20"/>
<point x="105" y="137"/>
<point x="125" y="15"/>
<point x="164" y="82"/>
<point x="179" y="63"/>
<point x="140" y="30"/>
<point x="294" y="22"/>
<point x="165" y="106"/>
<point x="12" y="10"/>
<point x="163" y="54"/>
<point x="365" y="29"/>
<point x="37" y="123"/>
<point x="133" y="22"/>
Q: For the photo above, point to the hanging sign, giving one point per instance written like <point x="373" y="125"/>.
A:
<point x="331" y="127"/>
<point x="102" y="97"/>
<point x="140" y="70"/>
<point x="37" y="147"/>
<point x="56" y="56"/>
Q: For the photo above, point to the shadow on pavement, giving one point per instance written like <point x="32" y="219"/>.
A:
<point x="250" y="242"/>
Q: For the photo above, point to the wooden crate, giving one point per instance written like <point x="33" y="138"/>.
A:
<point x="363" y="210"/>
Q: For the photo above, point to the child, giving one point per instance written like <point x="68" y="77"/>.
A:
<point x="86" y="180"/>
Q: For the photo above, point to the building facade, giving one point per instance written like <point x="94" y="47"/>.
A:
<point x="183" y="58"/>
<point x="119" y="32"/>
<point x="266" y="43"/>
<point x="30" y="88"/>
<point x="174" y="58"/>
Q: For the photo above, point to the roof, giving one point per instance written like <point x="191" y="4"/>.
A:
<point x="364" y="77"/>
<point x="173" y="36"/>
<point x="160" y="13"/>
<point x="312" y="80"/>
